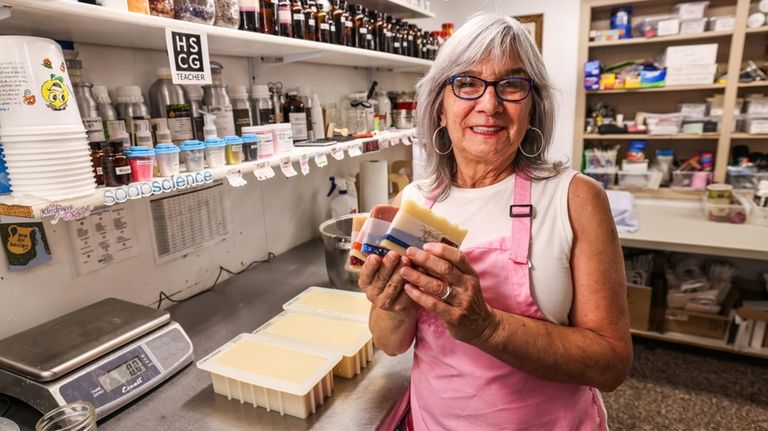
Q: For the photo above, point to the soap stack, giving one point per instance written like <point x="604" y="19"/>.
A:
<point x="289" y="363"/>
<point x="391" y="228"/>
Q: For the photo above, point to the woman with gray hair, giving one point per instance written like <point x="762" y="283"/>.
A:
<point x="523" y="325"/>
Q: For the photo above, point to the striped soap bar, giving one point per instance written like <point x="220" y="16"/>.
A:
<point x="414" y="226"/>
<point x="356" y="256"/>
<point x="380" y="218"/>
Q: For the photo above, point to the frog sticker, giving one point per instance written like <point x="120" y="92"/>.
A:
<point x="47" y="63"/>
<point x="29" y="98"/>
<point x="55" y="93"/>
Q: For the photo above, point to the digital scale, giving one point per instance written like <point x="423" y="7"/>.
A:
<point x="108" y="353"/>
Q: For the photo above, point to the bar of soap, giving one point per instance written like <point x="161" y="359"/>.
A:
<point x="359" y="227"/>
<point x="415" y="225"/>
<point x="380" y="219"/>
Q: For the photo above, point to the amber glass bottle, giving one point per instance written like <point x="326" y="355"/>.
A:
<point x="267" y="16"/>
<point x="284" y="21"/>
<point x="349" y="24"/>
<point x="299" y="22"/>
<point x="323" y="25"/>
<point x="310" y="9"/>
<point x="379" y="34"/>
<point x="361" y="27"/>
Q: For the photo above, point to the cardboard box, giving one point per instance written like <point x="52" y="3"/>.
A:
<point x="639" y="300"/>
<point x="696" y="323"/>
<point x="691" y="54"/>
<point x="691" y="74"/>
<point x="691" y="10"/>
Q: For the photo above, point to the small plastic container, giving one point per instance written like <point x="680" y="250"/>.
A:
<point x="737" y="211"/>
<point x="266" y="140"/>
<point x="282" y="138"/>
<point x="233" y="152"/>
<point x="199" y="11"/>
<point x="663" y="124"/>
<point x="75" y="416"/>
<point x="351" y="338"/>
<point x="250" y="147"/>
<point x="167" y="156"/>
<point x="215" y="152"/>
<point x="193" y="154"/>
<point x="142" y="160"/>
<point x="758" y="215"/>
<point x="605" y="176"/>
<point x="640" y="180"/>
<point x="693" y="180"/>
<point x="273" y="373"/>
<point x="332" y="303"/>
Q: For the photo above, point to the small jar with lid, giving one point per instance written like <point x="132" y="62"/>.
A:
<point x="142" y="161"/>
<point x="234" y="150"/>
<point x="96" y="154"/>
<point x="193" y="154"/>
<point x="227" y="13"/>
<point x="250" y="147"/>
<point x="199" y="11"/>
<point x="215" y="152"/>
<point x="163" y="8"/>
<point x="115" y="165"/>
<point x="167" y="156"/>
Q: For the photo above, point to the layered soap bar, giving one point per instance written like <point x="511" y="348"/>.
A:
<point x="415" y="225"/>
<point x="359" y="227"/>
<point x="380" y="219"/>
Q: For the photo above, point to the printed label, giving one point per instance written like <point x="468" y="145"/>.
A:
<point x="348" y="24"/>
<point x="179" y="121"/>
<point x="99" y="170"/>
<point x="363" y="30"/>
<point x="242" y="118"/>
<point x="311" y="23"/>
<point x="156" y="186"/>
<point x="304" y="164"/>
<point x="188" y="57"/>
<point x="266" y="116"/>
<point x="298" y="17"/>
<point x="284" y="16"/>
<point x="337" y="153"/>
<point x="287" y="167"/>
<point x="298" y="122"/>
<point x="355" y="150"/>
<point x="258" y="171"/>
<point x="397" y="44"/>
<point x="116" y="129"/>
<point x="225" y="120"/>
<point x="321" y="159"/>
<point x="249" y="5"/>
<point x="123" y="170"/>
<point x="324" y="26"/>
<point x="235" y="178"/>
<point x="266" y="145"/>
<point x="94" y="128"/>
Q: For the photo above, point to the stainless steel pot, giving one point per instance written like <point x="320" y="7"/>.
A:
<point x="336" y="234"/>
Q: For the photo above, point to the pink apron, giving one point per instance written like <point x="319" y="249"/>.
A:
<point x="455" y="386"/>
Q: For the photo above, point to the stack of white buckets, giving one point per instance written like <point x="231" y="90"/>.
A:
<point x="41" y="133"/>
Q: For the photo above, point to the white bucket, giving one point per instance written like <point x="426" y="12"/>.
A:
<point x="37" y="90"/>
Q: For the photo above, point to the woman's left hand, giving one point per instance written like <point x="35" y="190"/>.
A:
<point x="464" y="311"/>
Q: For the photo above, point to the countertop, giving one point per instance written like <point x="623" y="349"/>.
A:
<point x="242" y="304"/>
<point x="681" y="226"/>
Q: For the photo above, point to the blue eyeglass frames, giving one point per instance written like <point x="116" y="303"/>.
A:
<point x="512" y="89"/>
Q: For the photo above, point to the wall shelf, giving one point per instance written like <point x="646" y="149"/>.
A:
<point x="756" y="84"/>
<point x="763" y="29"/>
<point x="661" y="39"/>
<point x="399" y="8"/>
<point x="98" y="25"/>
<point x="709" y="87"/>
<point x="749" y="136"/>
<point x="629" y="137"/>
<point x="31" y="207"/>
<point x="696" y="341"/>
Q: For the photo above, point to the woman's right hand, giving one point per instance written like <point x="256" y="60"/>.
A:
<point x="381" y="281"/>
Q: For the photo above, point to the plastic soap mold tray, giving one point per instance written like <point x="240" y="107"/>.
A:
<point x="331" y="303"/>
<point x="350" y="338"/>
<point x="272" y="373"/>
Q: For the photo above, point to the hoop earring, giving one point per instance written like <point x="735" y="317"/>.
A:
<point x="434" y="144"/>
<point x="541" y="141"/>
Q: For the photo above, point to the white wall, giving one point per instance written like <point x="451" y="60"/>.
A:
<point x="272" y="216"/>
<point x="561" y="29"/>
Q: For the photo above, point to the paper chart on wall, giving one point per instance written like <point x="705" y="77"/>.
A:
<point x="103" y="238"/>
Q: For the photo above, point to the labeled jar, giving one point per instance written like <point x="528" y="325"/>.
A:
<point x="142" y="160"/>
<point x="200" y="11"/>
<point x="215" y="152"/>
<point x="115" y="165"/>
<point x="227" y="13"/>
<point x="96" y="155"/>
<point x="250" y="147"/>
<point x="167" y="156"/>
<point x="193" y="154"/>
<point x="266" y="140"/>
<point x="233" y="152"/>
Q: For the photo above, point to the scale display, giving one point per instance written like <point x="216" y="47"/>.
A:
<point x="120" y="375"/>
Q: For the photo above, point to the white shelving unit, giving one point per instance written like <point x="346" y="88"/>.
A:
<point x="398" y="8"/>
<point x="78" y="22"/>
<point x="31" y="207"/>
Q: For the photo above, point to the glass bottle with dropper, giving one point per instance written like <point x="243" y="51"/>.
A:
<point x="323" y="25"/>
<point x="299" y="21"/>
<point x="361" y="27"/>
<point x="310" y="10"/>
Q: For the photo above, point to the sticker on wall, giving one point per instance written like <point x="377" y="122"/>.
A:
<point x="321" y="159"/>
<point x="25" y="245"/>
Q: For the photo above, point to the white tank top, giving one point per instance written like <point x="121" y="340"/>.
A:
<point x="485" y="213"/>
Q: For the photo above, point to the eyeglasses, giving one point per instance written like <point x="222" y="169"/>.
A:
<point x="512" y="89"/>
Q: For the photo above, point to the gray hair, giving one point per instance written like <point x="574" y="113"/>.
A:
<point x="496" y="38"/>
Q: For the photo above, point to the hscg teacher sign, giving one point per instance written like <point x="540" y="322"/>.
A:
<point x="188" y="56"/>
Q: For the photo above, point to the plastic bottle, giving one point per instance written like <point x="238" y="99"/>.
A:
<point x="384" y="108"/>
<point x="343" y="203"/>
<point x="262" y="110"/>
<point x="168" y="100"/>
<point x="89" y="111"/>
<point x="112" y="125"/>
<point x="216" y="101"/>
<point x="132" y="109"/>
<point x="310" y="10"/>
<point x="306" y="99"/>
<point x="209" y="130"/>
<point x="318" y="125"/>
<point x="195" y="96"/>
<point x="241" y="109"/>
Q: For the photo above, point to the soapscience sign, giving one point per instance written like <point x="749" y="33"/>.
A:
<point x="155" y="187"/>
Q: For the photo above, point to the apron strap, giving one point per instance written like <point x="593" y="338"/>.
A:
<point x="521" y="212"/>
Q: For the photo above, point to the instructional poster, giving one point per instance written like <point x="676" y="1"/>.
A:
<point x="103" y="238"/>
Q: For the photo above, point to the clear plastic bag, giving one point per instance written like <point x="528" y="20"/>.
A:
<point x="227" y="13"/>
<point x="200" y="11"/>
<point x="162" y="8"/>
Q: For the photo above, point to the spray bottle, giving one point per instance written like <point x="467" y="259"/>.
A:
<point x="343" y="203"/>
<point x="209" y="130"/>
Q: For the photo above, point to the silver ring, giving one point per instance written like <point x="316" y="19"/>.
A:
<point x="447" y="293"/>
